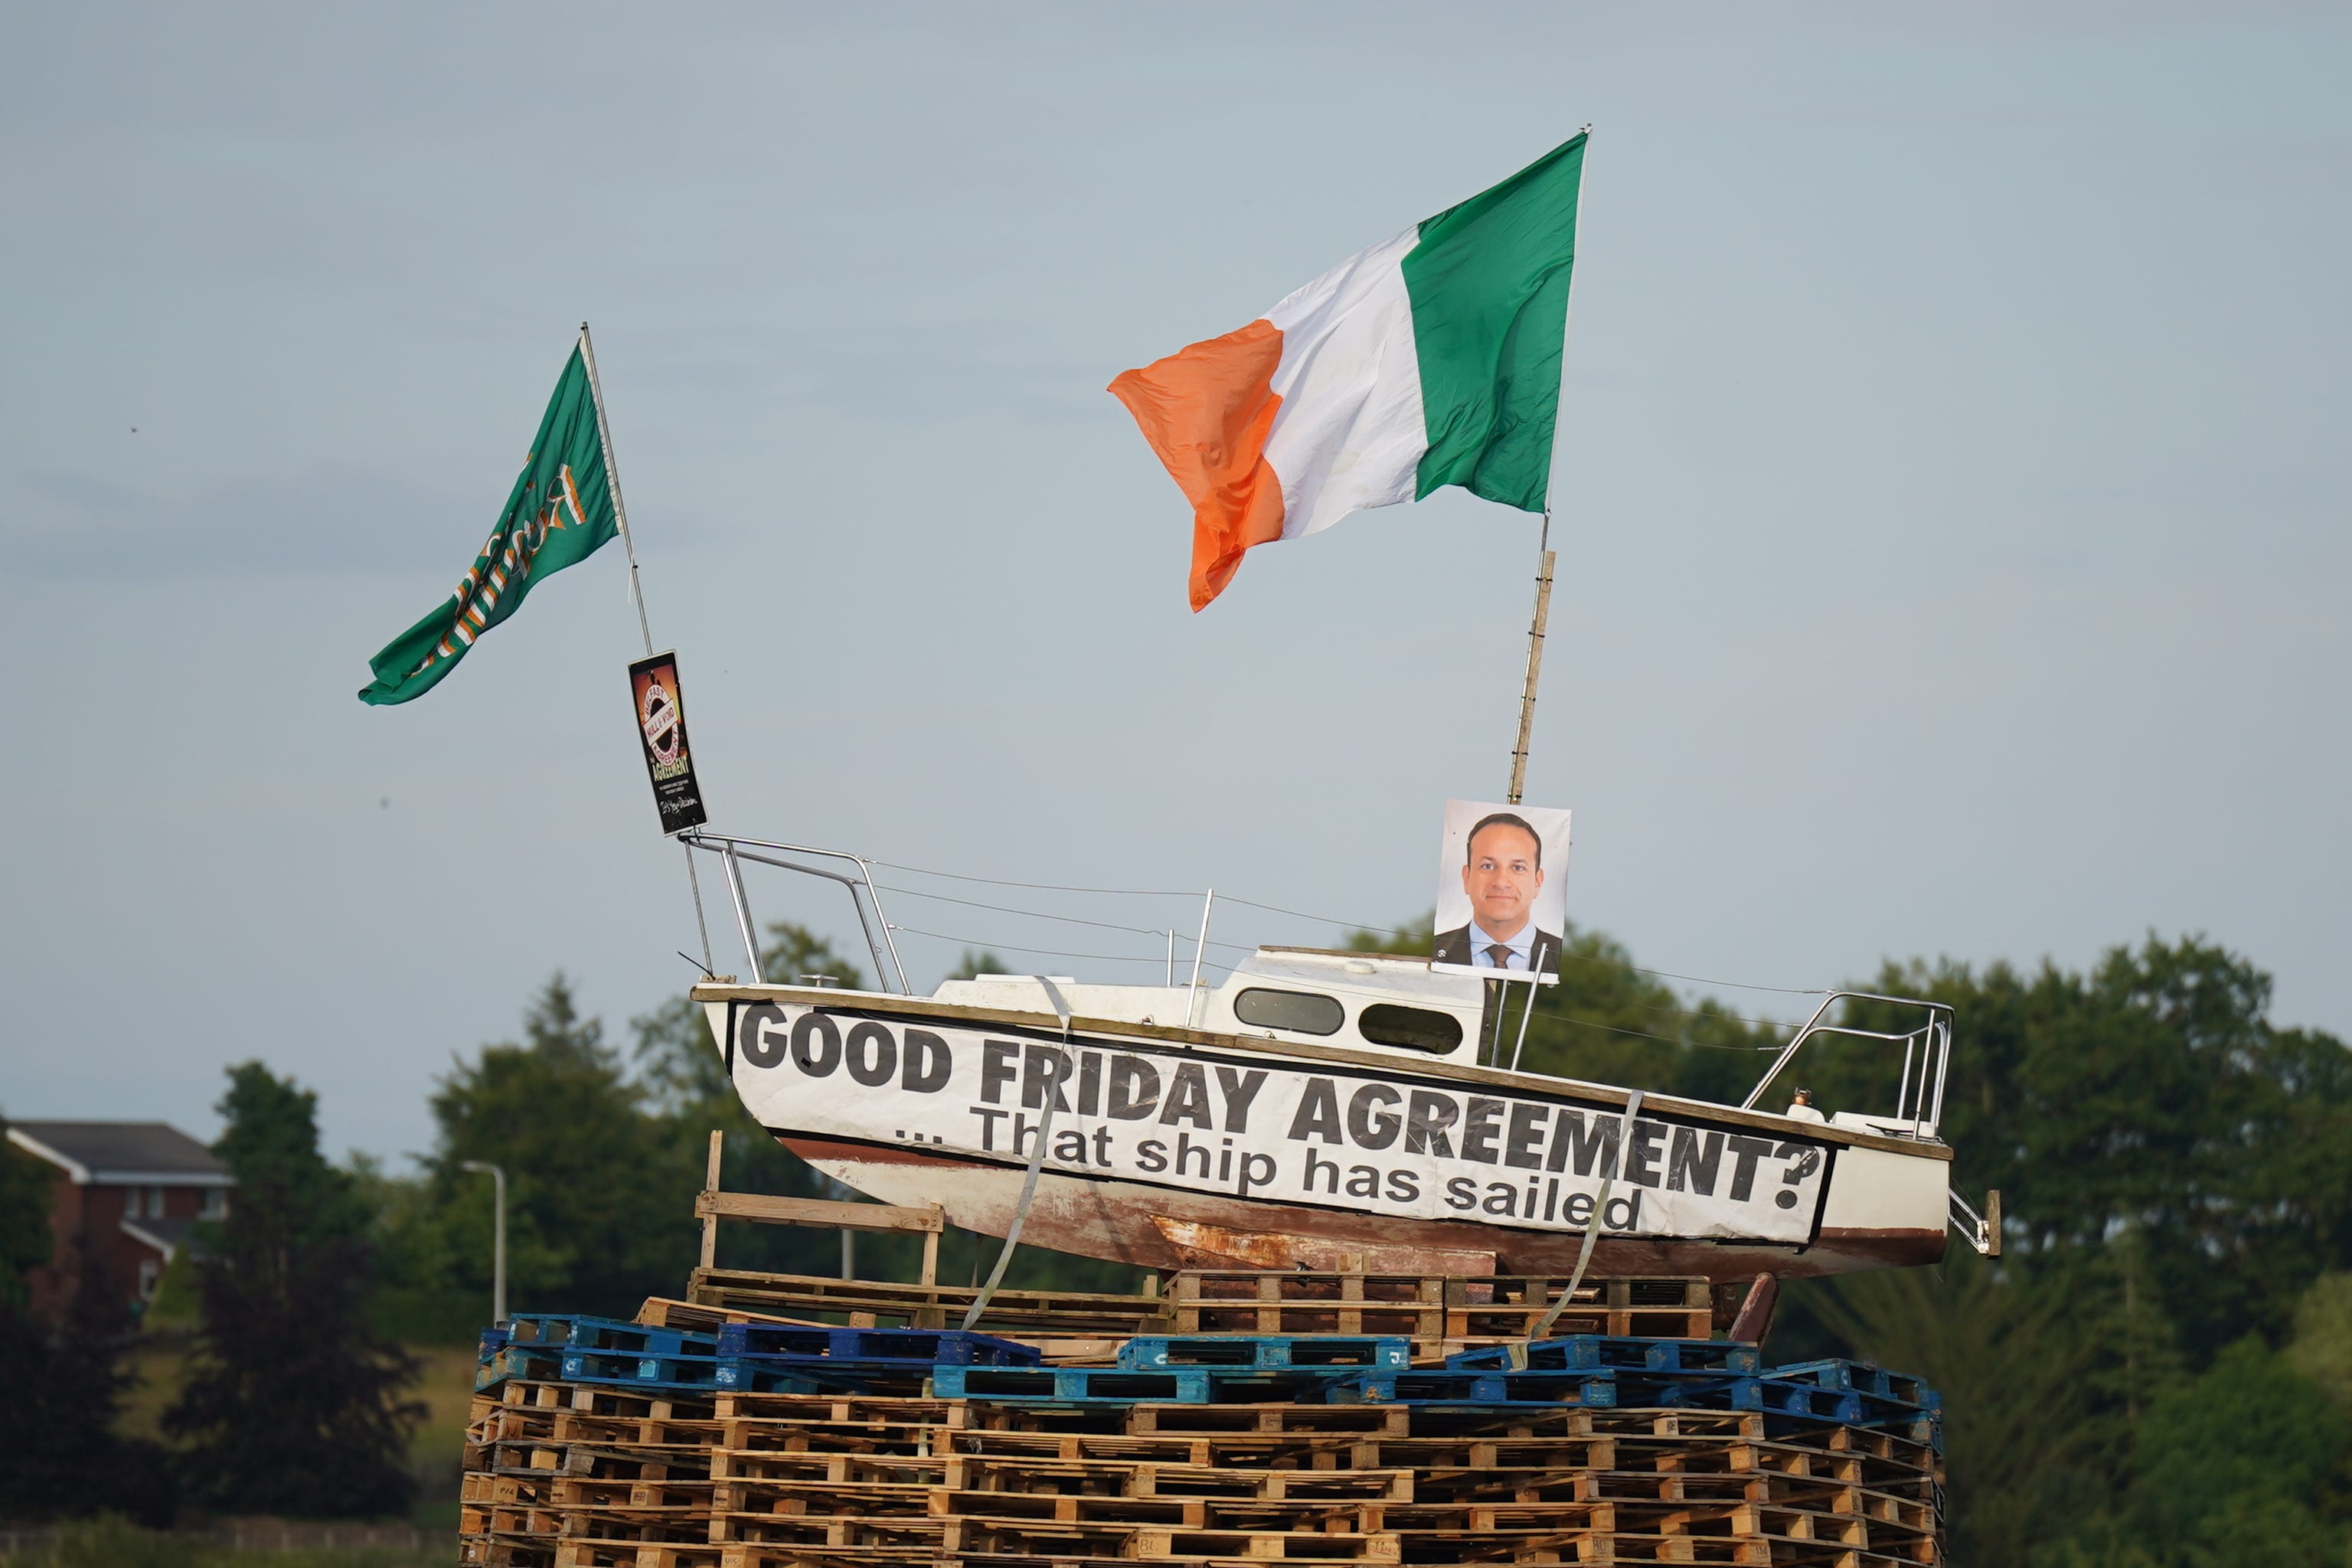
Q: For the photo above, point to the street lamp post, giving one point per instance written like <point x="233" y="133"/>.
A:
<point x="499" y="1237"/>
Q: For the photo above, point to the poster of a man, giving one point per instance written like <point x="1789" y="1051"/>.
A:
<point x="1502" y="893"/>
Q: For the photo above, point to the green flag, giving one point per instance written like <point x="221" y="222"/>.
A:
<point x="559" y="512"/>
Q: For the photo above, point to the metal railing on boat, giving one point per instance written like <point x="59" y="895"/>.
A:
<point x="1919" y="1102"/>
<point x="733" y="851"/>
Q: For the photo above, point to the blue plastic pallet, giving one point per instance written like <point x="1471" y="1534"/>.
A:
<point x="1136" y="1385"/>
<point x="1073" y="1385"/>
<point x="1288" y="1353"/>
<point x="1577" y="1351"/>
<point x="1441" y="1386"/>
<point x="532" y="1363"/>
<point x="927" y="1347"/>
<point x="583" y="1333"/>
<point x="821" y="1374"/>
<point x="699" y="1372"/>
<point x="1860" y="1377"/>
<point x="1603" y="1388"/>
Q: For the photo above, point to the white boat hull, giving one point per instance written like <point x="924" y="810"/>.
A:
<point x="1175" y="1148"/>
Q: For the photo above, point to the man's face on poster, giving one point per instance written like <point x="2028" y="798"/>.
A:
<point x="1502" y="877"/>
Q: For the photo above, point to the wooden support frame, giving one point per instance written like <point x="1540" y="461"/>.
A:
<point x="711" y="1204"/>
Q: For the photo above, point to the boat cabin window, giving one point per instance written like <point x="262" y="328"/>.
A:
<point x="1302" y="1012"/>
<point x="1413" y="1028"/>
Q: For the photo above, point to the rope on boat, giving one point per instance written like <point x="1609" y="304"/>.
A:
<point x="1592" y="1233"/>
<point x="1037" y="1164"/>
<point x="1270" y="909"/>
<point x="968" y="941"/>
<point x="1029" y="914"/>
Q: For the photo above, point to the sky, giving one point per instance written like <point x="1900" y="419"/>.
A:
<point x="1950" y="500"/>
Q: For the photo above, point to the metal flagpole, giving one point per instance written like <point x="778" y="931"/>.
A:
<point x="637" y="591"/>
<point x="613" y="482"/>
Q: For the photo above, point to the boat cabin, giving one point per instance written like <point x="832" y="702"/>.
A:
<point x="1301" y="995"/>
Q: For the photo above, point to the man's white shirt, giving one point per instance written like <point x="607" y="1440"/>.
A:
<point x="1522" y="948"/>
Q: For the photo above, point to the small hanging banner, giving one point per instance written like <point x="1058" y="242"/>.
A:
<point x="661" y="727"/>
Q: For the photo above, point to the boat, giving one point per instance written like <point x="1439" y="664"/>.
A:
<point x="1317" y="1110"/>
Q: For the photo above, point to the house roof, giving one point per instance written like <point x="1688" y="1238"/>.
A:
<point x="123" y="1153"/>
<point x="167" y="1236"/>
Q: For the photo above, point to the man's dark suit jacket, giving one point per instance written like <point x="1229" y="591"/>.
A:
<point x="1454" y="947"/>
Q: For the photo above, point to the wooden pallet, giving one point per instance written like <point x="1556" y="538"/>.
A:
<point x="1428" y="1307"/>
<point x="868" y="1303"/>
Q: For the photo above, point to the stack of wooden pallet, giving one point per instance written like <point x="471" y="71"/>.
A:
<point x="709" y="1436"/>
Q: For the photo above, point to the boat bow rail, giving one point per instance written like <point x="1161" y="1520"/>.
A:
<point x="733" y="852"/>
<point x="1927" y="1058"/>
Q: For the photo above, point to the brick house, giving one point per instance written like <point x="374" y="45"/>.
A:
<point x="125" y="1197"/>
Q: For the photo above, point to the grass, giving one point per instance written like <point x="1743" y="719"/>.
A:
<point x="110" y="1542"/>
<point x="437" y="1453"/>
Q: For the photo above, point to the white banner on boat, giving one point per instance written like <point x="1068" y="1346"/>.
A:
<point x="1361" y="1139"/>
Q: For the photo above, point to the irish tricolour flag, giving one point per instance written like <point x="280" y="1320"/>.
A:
<point x="1430" y="359"/>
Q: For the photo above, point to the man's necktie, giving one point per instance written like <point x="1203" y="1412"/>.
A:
<point x="1498" y="955"/>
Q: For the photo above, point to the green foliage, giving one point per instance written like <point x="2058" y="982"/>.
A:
<point x="2245" y="1465"/>
<point x="976" y="963"/>
<point x="2322" y="1347"/>
<point x="2150" y="1097"/>
<point x="2022" y="1444"/>
<point x="688" y="1098"/>
<point x="598" y="1199"/>
<point x="1608" y="1022"/>
<point x="178" y="1301"/>
<point x="62" y="1382"/>
<point x="292" y="1404"/>
<point x="25" y="1185"/>
<point x="62" y="1377"/>
<point x="1413" y="939"/>
<point x="2174" y="1170"/>
<point x="795" y="954"/>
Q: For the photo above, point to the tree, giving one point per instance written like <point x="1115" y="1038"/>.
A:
<point x="292" y="1404"/>
<point x="64" y="1382"/>
<point x="25" y="1244"/>
<point x="686" y="1079"/>
<point x="599" y="1193"/>
<point x="2246" y="1465"/>
<point x="2020" y="1412"/>
<point x="2174" y="1170"/>
<point x="63" y="1378"/>
<point x="974" y="964"/>
<point x="795" y="954"/>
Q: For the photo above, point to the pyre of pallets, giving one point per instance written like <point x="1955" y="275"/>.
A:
<point x="709" y="1436"/>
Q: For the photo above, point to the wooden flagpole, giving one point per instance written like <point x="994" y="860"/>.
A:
<point x="1535" y="663"/>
